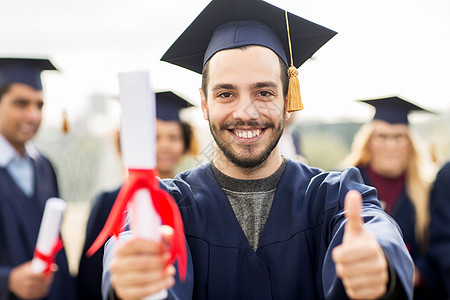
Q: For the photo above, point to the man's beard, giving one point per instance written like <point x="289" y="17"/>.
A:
<point x="251" y="160"/>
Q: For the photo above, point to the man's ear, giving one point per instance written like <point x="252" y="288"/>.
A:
<point x="287" y="115"/>
<point x="204" y="105"/>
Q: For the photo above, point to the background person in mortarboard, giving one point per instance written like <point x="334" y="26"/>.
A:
<point x="259" y="226"/>
<point x="27" y="180"/>
<point x="392" y="160"/>
<point x="175" y="139"/>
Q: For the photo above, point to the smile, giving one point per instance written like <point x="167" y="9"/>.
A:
<point x="247" y="134"/>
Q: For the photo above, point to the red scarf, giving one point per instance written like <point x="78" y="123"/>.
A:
<point x="389" y="189"/>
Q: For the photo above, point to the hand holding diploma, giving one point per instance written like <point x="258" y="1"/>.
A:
<point x="360" y="261"/>
<point x="26" y="284"/>
<point x="146" y="256"/>
<point x="33" y="279"/>
<point x="139" y="267"/>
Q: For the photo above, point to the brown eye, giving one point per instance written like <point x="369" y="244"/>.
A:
<point x="265" y="93"/>
<point x="225" y="95"/>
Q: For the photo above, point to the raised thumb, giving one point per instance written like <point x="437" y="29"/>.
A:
<point x="352" y="207"/>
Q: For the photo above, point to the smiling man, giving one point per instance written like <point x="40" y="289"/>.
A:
<point x="27" y="180"/>
<point x="260" y="226"/>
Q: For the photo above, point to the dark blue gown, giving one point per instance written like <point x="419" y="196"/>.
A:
<point x="439" y="249"/>
<point x="404" y="214"/>
<point x="20" y="218"/>
<point x="293" y="259"/>
<point x="90" y="268"/>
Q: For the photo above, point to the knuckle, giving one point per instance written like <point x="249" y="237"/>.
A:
<point x="336" y="254"/>
<point x="381" y="290"/>
<point x="351" y="293"/>
<point x="340" y="270"/>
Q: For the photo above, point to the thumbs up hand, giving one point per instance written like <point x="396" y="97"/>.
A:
<point x="360" y="261"/>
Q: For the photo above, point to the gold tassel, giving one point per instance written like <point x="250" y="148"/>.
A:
<point x="294" y="97"/>
<point x="294" y="102"/>
<point x="65" y="124"/>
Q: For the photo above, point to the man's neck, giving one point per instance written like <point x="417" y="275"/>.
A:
<point x="164" y="175"/>
<point x="20" y="148"/>
<point x="264" y="170"/>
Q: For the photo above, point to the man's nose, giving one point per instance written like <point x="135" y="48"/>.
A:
<point x="34" y="113"/>
<point x="246" y="109"/>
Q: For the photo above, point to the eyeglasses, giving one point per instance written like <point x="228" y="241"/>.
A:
<point x="398" y="138"/>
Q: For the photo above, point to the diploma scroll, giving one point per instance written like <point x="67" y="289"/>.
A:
<point x="48" y="243"/>
<point x="138" y="126"/>
<point x="139" y="151"/>
<point x="150" y="206"/>
<point x="145" y="223"/>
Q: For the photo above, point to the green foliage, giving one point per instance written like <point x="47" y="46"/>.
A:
<point x="324" y="150"/>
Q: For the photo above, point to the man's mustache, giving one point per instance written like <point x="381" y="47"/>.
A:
<point x="248" y="124"/>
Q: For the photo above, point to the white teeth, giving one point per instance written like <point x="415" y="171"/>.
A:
<point x="247" y="134"/>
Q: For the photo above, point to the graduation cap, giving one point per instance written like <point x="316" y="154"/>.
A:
<point x="229" y="24"/>
<point x="23" y="70"/>
<point x="168" y="105"/>
<point x="393" y="109"/>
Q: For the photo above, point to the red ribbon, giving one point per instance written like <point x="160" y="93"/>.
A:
<point x="50" y="258"/>
<point x="164" y="205"/>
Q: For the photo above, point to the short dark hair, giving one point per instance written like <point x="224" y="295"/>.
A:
<point x="284" y="75"/>
<point x="3" y="90"/>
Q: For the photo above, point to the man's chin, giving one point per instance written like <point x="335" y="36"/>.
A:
<point x="249" y="161"/>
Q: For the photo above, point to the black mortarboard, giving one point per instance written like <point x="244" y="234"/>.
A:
<point x="23" y="70"/>
<point x="267" y="27"/>
<point x="228" y="24"/>
<point x="393" y="109"/>
<point x="168" y="105"/>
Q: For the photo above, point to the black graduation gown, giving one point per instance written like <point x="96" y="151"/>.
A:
<point x="439" y="248"/>
<point x="20" y="218"/>
<point x="293" y="259"/>
<point x="91" y="268"/>
<point x="404" y="215"/>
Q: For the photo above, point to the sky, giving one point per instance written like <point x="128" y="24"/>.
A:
<point x="383" y="47"/>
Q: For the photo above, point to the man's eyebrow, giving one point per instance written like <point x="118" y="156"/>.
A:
<point x="223" y="86"/>
<point x="20" y="100"/>
<point x="264" y="84"/>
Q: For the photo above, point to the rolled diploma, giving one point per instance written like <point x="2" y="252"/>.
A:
<point x="145" y="223"/>
<point x="138" y="144"/>
<point x="48" y="231"/>
<point x="138" y="128"/>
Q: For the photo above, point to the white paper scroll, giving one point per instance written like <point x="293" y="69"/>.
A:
<point x="48" y="231"/>
<point x="137" y="133"/>
<point x="138" y="144"/>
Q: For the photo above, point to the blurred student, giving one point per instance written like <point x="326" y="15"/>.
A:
<point x="27" y="180"/>
<point x="175" y="139"/>
<point x="389" y="159"/>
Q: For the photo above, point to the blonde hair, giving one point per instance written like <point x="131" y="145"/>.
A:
<point x="417" y="185"/>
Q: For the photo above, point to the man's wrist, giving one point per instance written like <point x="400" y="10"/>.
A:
<point x="394" y="289"/>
